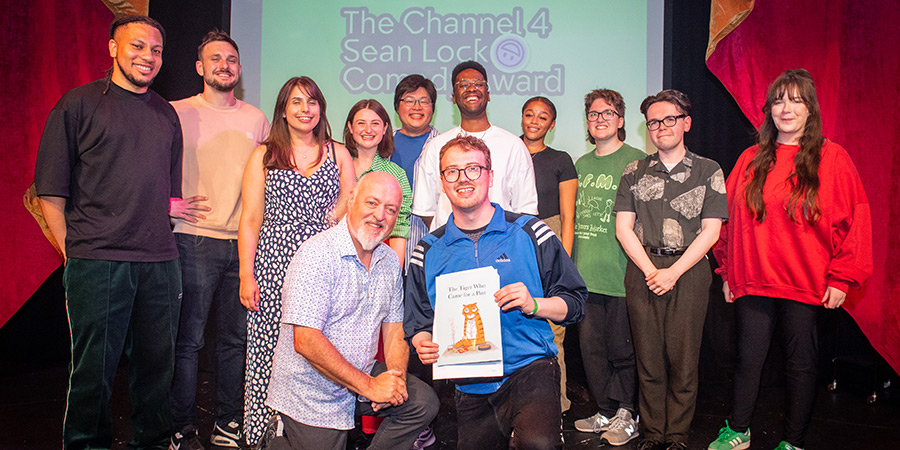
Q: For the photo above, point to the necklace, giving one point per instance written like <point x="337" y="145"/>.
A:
<point x="305" y="152"/>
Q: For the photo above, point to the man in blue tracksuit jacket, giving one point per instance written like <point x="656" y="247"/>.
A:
<point x="538" y="282"/>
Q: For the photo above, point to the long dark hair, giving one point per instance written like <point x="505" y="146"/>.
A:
<point x="805" y="177"/>
<point x="278" y="144"/>
<point x="386" y="146"/>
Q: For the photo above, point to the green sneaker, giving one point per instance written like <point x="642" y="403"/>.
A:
<point x="785" y="446"/>
<point x="730" y="440"/>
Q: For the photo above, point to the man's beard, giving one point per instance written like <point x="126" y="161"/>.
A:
<point x="215" y="84"/>
<point x="369" y="243"/>
<point x="131" y="79"/>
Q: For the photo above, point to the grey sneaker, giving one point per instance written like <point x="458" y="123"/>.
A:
<point x="622" y="429"/>
<point x="597" y="423"/>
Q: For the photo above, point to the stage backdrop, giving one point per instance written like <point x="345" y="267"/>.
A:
<point x="849" y="46"/>
<point x="357" y="50"/>
<point x="49" y="47"/>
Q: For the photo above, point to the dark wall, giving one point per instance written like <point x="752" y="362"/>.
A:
<point x="186" y="22"/>
<point x="719" y="130"/>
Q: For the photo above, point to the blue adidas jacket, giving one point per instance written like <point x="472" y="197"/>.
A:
<point x="522" y="249"/>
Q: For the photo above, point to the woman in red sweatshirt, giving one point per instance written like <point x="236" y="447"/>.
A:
<point x="798" y="237"/>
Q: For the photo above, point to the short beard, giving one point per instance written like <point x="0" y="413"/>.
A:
<point x="131" y="79"/>
<point x="215" y="84"/>
<point x="366" y="243"/>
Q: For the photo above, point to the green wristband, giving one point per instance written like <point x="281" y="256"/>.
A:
<point x="535" y="306"/>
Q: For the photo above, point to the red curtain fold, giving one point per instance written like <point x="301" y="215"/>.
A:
<point x="849" y="46"/>
<point x="48" y="47"/>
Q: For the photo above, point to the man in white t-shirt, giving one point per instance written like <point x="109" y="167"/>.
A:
<point x="220" y="132"/>
<point x="513" y="188"/>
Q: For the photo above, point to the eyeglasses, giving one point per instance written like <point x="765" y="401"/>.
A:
<point x="464" y="85"/>
<point x="668" y="121"/>
<point x="451" y="174"/>
<point x="410" y="102"/>
<point x="607" y="114"/>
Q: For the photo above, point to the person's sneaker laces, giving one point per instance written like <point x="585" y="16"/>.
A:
<point x="426" y="439"/>
<point x="730" y="440"/>
<point x="597" y="423"/>
<point x="786" y="446"/>
<point x="622" y="429"/>
<point x="227" y="436"/>
<point x="186" y="439"/>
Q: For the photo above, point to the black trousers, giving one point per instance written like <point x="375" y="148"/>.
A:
<point x="607" y="351"/>
<point x="523" y="414"/>
<point x="794" y="324"/>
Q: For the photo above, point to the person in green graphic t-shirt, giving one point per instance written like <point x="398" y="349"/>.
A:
<point x="605" y="333"/>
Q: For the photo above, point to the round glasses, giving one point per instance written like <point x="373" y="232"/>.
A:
<point x="451" y="174"/>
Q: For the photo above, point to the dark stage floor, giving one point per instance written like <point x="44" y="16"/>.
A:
<point x="32" y="400"/>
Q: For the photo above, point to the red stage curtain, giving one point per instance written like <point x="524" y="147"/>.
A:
<point x="48" y="47"/>
<point x="850" y="47"/>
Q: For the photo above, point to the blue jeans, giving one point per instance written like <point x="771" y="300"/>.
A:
<point x="210" y="279"/>
<point x="114" y="306"/>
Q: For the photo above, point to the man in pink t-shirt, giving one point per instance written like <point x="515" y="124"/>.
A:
<point x="220" y="132"/>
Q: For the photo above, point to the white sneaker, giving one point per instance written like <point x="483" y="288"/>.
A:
<point x="597" y="423"/>
<point x="622" y="429"/>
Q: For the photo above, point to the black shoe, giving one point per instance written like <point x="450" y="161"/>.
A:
<point x="186" y="439"/>
<point x="650" y="444"/>
<point x="676" y="446"/>
<point x="226" y="436"/>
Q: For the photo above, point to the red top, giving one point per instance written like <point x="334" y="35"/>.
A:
<point x="786" y="259"/>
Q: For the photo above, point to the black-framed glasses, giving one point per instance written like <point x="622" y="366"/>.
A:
<point x="473" y="172"/>
<point x="464" y="85"/>
<point x="668" y="121"/>
<point x="607" y="114"/>
<point x="410" y="102"/>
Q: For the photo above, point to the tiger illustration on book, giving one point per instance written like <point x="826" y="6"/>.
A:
<point x="473" y="329"/>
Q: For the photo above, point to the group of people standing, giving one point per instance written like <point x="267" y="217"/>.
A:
<point x="320" y="258"/>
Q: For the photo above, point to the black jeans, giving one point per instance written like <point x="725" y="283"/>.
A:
<point x="758" y="319"/>
<point x="523" y="414"/>
<point x="608" y="353"/>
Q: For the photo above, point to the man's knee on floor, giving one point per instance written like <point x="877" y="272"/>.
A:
<point x="531" y="438"/>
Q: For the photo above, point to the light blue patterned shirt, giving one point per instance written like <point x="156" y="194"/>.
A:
<point x="326" y="287"/>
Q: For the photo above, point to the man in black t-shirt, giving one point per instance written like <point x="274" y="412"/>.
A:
<point x="108" y="172"/>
